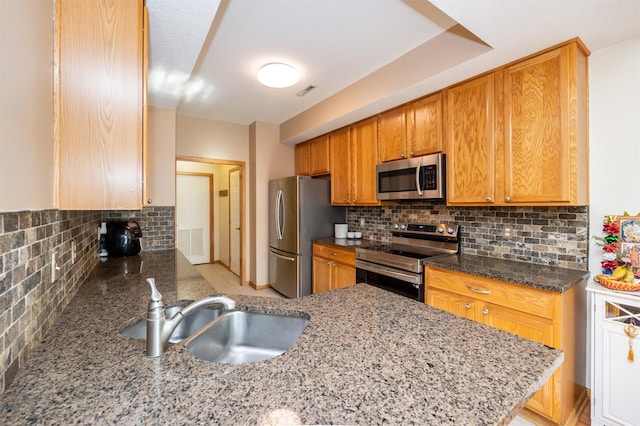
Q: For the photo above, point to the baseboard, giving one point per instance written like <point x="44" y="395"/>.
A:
<point x="572" y="420"/>
<point x="259" y="287"/>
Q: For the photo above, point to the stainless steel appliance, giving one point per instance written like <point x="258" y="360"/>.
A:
<point x="299" y="210"/>
<point x="414" y="178"/>
<point x="399" y="266"/>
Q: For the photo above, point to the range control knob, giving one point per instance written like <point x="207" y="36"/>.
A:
<point x="403" y="226"/>
<point x="440" y="230"/>
<point x="450" y="230"/>
<point x="396" y="226"/>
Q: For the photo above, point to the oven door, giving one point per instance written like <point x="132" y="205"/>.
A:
<point x="401" y="282"/>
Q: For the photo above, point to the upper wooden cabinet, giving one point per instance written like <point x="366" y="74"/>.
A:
<point x="392" y="135"/>
<point x="471" y="146"/>
<point x="99" y="103"/>
<point x="303" y="161"/>
<point x="411" y="130"/>
<point x="518" y="136"/>
<point x="425" y="125"/>
<point x="312" y="157"/>
<point x="353" y="164"/>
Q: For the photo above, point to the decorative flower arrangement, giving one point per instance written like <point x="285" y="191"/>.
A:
<point x="610" y="245"/>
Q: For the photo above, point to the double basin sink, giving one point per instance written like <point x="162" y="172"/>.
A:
<point x="230" y="337"/>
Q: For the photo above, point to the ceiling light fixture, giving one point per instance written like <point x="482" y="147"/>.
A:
<point x="278" y="75"/>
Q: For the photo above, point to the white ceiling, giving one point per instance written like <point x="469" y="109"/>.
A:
<point x="204" y="54"/>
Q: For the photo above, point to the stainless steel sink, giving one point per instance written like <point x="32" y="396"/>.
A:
<point x="240" y="337"/>
<point x="190" y="325"/>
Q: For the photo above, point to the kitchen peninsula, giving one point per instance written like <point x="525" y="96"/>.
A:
<point x="367" y="356"/>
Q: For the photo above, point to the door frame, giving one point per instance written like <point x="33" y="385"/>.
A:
<point x="241" y="185"/>
<point x="211" y="208"/>
<point x="242" y="166"/>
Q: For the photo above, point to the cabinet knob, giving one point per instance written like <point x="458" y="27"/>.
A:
<point x="488" y="199"/>
<point x="468" y="306"/>
<point x="403" y="156"/>
<point x="507" y="199"/>
<point x="333" y="253"/>
<point x="412" y="154"/>
<point x="149" y="201"/>
<point x="485" y="311"/>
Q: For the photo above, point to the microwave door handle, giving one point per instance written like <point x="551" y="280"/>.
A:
<point x="418" y="186"/>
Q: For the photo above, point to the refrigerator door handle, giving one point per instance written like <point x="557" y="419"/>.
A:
<point x="279" y="214"/>
<point x="291" y="259"/>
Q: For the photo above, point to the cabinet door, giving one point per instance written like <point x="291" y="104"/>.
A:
<point x="303" y="162"/>
<point x="99" y="101"/>
<point x="470" y="142"/>
<point x="343" y="275"/>
<point x="319" y="156"/>
<point x="340" y="146"/>
<point x="425" y="126"/>
<point x="321" y="275"/>
<point x="537" y="137"/>
<point x="450" y="302"/>
<point x="392" y="135"/>
<point x="364" y="156"/>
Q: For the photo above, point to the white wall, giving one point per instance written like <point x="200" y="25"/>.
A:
<point x="161" y="164"/>
<point x="26" y="105"/>
<point x="614" y="144"/>
<point x="269" y="160"/>
<point x="614" y="136"/>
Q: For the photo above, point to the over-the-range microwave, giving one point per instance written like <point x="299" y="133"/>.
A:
<point x="418" y="178"/>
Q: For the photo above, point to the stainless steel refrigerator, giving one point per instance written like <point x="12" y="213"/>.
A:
<point x="299" y="209"/>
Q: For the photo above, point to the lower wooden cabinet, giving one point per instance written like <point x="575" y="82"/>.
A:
<point x="542" y="316"/>
<point x="332" y="268"/>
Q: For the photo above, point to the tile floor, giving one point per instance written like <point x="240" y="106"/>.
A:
<point x="229" y="283"/>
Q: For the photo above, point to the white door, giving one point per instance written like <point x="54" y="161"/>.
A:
<point x="193" y="216"/>
<point x="234" y="221"/>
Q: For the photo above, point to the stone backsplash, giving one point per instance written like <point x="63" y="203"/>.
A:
<point x="157" y="224"/>
<point x="556" y="236"/>
<point x="29" y="302"/>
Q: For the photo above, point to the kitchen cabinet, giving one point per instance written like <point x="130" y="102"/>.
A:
<point x="99" y="104"/>
<point x="312" y="157"/>
<point x="542" y="316"/>
<point x="425" y="126"/>
<point x="303" y="160"/>
<point x="392" y="135"/>
<point x="354" y="153"/>
<point x="332" y="268"/>
<point x="615" y="379"/>
<point x="518" y="135"/>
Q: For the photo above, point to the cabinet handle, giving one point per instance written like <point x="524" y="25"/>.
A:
<point x="507" y="199"/>
<point x="488" y="199"/>
<point x="485" y="311"/>
<point x="479" y="290"/>
<point x="332" y="253"/>
<point x="468" y="306"/>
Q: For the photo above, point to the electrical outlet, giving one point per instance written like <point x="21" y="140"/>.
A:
<point x="507" y="233"/>
<point x="362" y="222"/>
<point x="73" y="251"/>
<point x="55" y="269"/>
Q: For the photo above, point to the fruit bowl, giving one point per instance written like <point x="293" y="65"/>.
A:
<point x="607" y="282"/>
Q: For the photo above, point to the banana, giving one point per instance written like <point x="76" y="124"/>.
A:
<point x="629" y="276"/>
<point x="619" y="273"/>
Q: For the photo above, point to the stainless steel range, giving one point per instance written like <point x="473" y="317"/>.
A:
<point x="398" y="266"/>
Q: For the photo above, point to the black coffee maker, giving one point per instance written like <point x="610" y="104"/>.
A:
<point x="123" y="238"/>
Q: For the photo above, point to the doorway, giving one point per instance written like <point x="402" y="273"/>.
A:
<point x="194" y="216"/>
<point x="227" y="212"/>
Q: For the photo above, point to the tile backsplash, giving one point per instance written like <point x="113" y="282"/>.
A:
<point x="556" y="236"/>
<point x="157" y="225"/>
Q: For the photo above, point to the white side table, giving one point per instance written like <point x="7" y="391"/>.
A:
<point x="615" y="380"/>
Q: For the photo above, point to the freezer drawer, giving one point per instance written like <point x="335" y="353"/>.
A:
<point x="284" y="273"/>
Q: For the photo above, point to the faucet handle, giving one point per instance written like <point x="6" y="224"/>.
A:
<point x="155" y="294"/>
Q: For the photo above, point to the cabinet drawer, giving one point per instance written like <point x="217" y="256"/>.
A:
<point x="339" y="255"/>
<point x="526" y="299"/>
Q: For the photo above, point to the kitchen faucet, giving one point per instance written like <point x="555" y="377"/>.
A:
<point x="160" y="328"/>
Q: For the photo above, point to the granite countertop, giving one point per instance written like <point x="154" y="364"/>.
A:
<point x="367" y="356"/>
<point x="528" y="274"/>
<point x="543" y="277"/>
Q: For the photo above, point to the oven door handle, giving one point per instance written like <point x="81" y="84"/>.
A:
<point x="407" y="277"/>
